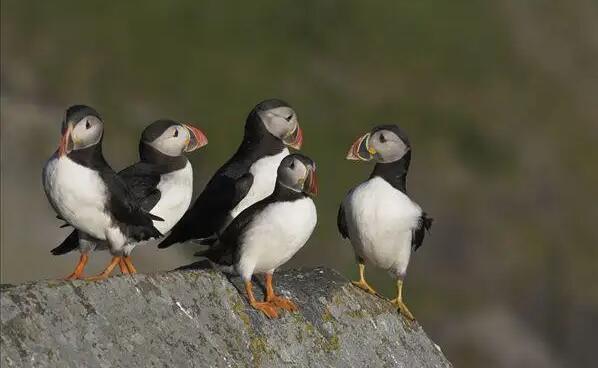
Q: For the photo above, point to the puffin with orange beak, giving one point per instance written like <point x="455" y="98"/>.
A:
<point x="246" y="178"/>
<point x="161" y="183"/>
<point x="268" y="233"/>
<point x="383" y="224"/>
<point x="86" y="192"/>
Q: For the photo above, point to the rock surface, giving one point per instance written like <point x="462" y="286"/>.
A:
<point x="198" y="318"/>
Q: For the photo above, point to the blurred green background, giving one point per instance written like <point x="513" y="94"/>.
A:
<point x="499" y="100"/>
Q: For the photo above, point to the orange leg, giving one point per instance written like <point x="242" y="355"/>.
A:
<point x="280" y="302"/>
<point x="123" y="267"/>
<point x="115" y="261"/>
<point x="78" y="273"/>
<point x="129" y="264"/>
<point x="265" y="307"/>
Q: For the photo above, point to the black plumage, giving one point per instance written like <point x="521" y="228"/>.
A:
<point x="133" y="221"/>
<point x="424" y="224"/>
<point x="226" y="252"/>
<point x="230" y="184"/>
<point x="141" y="180"/>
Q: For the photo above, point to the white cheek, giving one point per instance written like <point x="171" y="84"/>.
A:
<point x="172" y="146"/>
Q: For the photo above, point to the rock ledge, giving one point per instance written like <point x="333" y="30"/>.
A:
<point x="197" y="318"/>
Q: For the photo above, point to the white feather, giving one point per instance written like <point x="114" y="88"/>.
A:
<point x="380" y="220"/>
<point x="78" y="194"/>
<point x="264" y="178"/>
<point x="176" y="190"/>
<point x="275" y="235"/>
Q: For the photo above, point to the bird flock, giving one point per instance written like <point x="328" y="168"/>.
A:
<point x="254" y="214"/>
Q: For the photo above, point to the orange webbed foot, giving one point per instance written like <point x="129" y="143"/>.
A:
<point x="283" y="303"/>
<point x="78" y="273"/>
<point x="267" y="308"/>
<point x="104" y="275"/>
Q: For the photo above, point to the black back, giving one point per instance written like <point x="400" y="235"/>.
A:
<point x="230" y="184"/>
<point x="138" y="182"/>
<point x="227" y="249"/>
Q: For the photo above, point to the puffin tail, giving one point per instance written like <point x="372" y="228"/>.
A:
<point x="69" y="244"/>
<point x="217" y="253"/>
<point x="139" y="232"/>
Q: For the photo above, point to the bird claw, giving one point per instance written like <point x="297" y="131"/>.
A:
<point x="403" y="309"/>
<point x="265" y="307"/>
<point x="284" y="303"/>
<point x="362" y="284"/>
<point x="74" y="276"/>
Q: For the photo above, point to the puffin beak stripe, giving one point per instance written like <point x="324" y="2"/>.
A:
<point x="197" y="138"/>
<point x="361" y="150"/>
<point x="312" y="182"/>
<point x="295" y="138"/>
<point x="66" y="144"/>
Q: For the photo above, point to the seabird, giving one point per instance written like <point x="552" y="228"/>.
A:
<point x="383" y="224"/>
<point x="268" y="233"/>
<point x="247" y="177"/>
<point x="161" y="182"/>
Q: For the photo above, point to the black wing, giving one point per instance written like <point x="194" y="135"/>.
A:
<point x="242" y="186"/>
<point x="134" y="221"/>
<point x="424" y="224"/>
<point x="142" y="179"/>
<point x="210" y="211"/>
<point x="69" y="244"/>
<point x="341" y="223"/>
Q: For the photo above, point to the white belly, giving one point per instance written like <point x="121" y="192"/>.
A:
<point x="275" y="236"/>
<point x="380" y="221"/>
<point x="264" y="177"/>
<point x="176" y="190"/>
<point x="78" y="194"/>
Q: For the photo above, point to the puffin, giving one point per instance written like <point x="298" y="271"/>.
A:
<point x="268" y="233"/>
<point x="161" y="182"/>
<point x="380" y="220"/>
<point x="86" y="192"/>
<point x="246" y="178"/>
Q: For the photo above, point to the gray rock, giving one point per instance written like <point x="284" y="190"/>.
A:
<point x="198" y="318"/>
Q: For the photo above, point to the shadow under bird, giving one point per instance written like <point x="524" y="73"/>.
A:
<point x="247" y="177"/>
<point x="268" y="233"/>
<point x="85" y="191"/>
<point x="381" y="221"/>
<point x="161" y="183"/>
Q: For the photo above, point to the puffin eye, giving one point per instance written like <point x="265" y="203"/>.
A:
<point x="382" y="138"/>
<point x="87" y="124"/>
<point x="288" y="118"/>
<point x="292" y="165"/>
<point x="176" y="133"/>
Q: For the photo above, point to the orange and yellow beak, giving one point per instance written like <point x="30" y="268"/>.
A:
<point x="311" y="182"/>
<point x="295" y="138"/>
<point x="361" y="150"/>
<point x="197" y="138"/>
<point x="66" y="142"/>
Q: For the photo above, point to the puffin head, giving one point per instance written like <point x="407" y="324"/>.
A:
<point x="298" y="173"/>
<point x="173" y="139"/>
<point x="279" y="119"/>
<point x="82" y="127"/>
<point x="384" y="143"/>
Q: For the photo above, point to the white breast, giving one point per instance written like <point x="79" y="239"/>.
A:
<point x="264" y="177"/>
<point x="275" y="235"/>
<point x="176" y="190"/>
<point x="380" y="220"/>
<point x="78" y="194"/>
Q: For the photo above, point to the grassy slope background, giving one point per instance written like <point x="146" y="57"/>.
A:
<point x="498" y="100"/>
